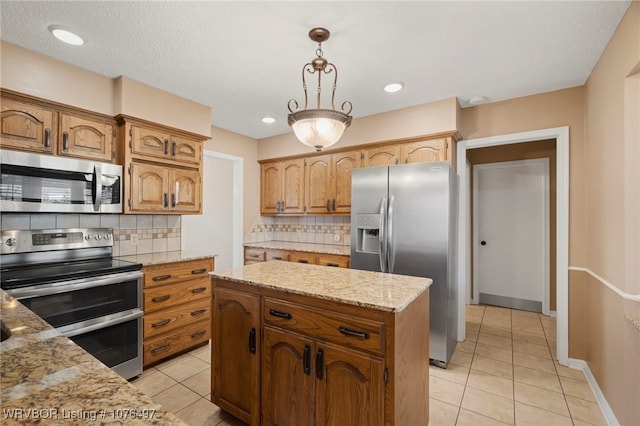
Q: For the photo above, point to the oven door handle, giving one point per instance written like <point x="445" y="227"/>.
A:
<point x="100" y="323"/>
<point x="72" y="285"/>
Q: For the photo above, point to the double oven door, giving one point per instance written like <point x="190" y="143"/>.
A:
<point x="102" y="314"/>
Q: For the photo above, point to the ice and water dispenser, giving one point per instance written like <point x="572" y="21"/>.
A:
<point x="368" y="233"/>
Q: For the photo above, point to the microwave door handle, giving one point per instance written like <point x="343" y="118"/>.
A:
<point x="97" y="187"/>
<point x="382" y="252"/>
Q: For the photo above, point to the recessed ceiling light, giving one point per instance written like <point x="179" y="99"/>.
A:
<point x="66" y="35"/>
<point x="268" y="120"/>
<point x="393" y="87"/>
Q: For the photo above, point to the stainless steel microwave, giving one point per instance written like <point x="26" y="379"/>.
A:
<point x="46" y="183"/>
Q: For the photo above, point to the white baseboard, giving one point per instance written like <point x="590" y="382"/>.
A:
<point x="605" y="408"/>
<point x="553" y="314"/>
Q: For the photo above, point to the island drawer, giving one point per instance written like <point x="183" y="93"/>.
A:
<point x="357" y="333"/>
<point x="254" y="255"/>
<point x="170" y="273"/>
<point x="170" y="319"/>
<point x="187" y="337"/>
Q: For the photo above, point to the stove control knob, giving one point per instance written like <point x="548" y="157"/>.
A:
<point x="107" y="236"/>
<point x="97" y="236"/>
<point x="11" y="242"/>
<point x="88" y="237"/>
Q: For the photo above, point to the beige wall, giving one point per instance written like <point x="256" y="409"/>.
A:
<point x="434" y="117"/>
<point x="611" y="343"/>
<point x="245" y="147"/>
<point x="38" y="75"/>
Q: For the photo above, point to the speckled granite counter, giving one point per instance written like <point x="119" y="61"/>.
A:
<point x="634" y="318"/>
<point x="308" y="247"/>
<point x="48" y="379"/>
<point x="385" y="292"/>
<point x="166" y="257"/>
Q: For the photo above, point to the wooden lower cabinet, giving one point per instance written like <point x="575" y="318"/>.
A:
<point x="177" y="308"/>
<point x="284" y="359"/>
<point x="255" y="255"/>
<point x="235" y="354"/>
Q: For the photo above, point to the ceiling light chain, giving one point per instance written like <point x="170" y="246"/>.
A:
<point x="319" y="128"/>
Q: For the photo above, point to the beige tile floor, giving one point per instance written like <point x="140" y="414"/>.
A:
<point x="503" y="373"/>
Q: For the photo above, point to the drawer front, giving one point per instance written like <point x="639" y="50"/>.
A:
<point x="170" y="273"/>
<point x="303" y="257"/>
<point x="331" y="260"/>
<point x="358" y="333"/>
<point x="254" y="255"/>
<point x="178" y="341"/>
<point x="277" y="255"/>
<point x="170" y="295"/>
<point x="170" y="319"/>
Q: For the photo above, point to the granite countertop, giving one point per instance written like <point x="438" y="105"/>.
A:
<point x="634" y="318"/>
<point x="308" y="247"/>
<point x="46" y="377"/>
<point x="167" y="257"/>
<point x="376" y="290"/>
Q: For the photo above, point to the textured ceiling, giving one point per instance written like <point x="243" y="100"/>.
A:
<point x="244" y="59"/>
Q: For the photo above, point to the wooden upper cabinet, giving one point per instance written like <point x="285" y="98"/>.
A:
<point x="386" y="155"/>
<point x="282" y="187"/>
<point x="149" y="142"/>
<point x="28" y="127"/>
<point x="186" y="150"/>
<point x="85" y="138"/>
<point x="149" y="191"/>
<point x="328" y="182"/>
<point x="425" y="151"/>
<point x="318" y="183"/>
<point x="185" y="191"/>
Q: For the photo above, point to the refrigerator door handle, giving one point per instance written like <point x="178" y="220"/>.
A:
<point x="391" y="252"/>
<point x="382" y="234"/>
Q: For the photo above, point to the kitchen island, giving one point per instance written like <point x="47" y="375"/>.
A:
<point x="48" y="379"/>
<point x="306" y="344"/>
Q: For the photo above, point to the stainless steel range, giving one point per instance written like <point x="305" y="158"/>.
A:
<point x="70" y="279"/>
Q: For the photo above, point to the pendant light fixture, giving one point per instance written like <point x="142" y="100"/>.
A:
<point x="319" y="128"/>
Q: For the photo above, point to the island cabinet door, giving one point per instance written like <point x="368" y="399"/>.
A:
<point x="287" y="378"/>
<point x="236" y="354"/>
<point x="349" y="387"/>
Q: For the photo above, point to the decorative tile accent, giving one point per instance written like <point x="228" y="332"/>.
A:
<point x="307" y="229"/>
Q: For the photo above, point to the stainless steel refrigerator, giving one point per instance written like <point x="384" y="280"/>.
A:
<point x="404" y="221"/>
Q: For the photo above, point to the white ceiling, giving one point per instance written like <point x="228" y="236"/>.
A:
<point x="244" y="59"/>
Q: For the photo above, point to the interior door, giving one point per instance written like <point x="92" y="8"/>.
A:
<point x="511" y="234"/>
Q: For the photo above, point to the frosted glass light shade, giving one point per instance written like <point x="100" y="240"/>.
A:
<point x="319" y="128"/>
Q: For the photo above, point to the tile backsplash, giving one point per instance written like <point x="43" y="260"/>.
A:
<point x="151" y="233"/>
<point x="301" y="229"/>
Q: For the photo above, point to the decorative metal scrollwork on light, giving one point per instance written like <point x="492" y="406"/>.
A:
<point x="319" y="128"/>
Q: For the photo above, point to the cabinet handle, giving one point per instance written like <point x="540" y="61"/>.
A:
<point x="160" y="349"/>
<point x="161" y="277"/>
<point x="333" y="264"/>
<point x="320" y="364"/>
<point x="328" y="205"/>
<point x="174" y="149"/>
<point x="252" y="341"/>
<point x="165" y="200"/>
<point x="255" y="256"/>
<point x="333" y="204"/>
<point x="198" y="290"/>
<point x="303" y="261"/>
<point x="160" y="323"/>
<point x="65" y="141"/>
<point x="199" y="334"/>
<point x="280" y="314"/>
<point x="306" y="359"/>
<point x="166" y="147"/>
<point x="161" y="298"/>
<point x="199" y="271"/>
<point x="354" y="333"/>
<point x="173" y="200"/>
<point x="276" y="258"/>
<point x="198" y="312"/>
<point x="47" y="138"/>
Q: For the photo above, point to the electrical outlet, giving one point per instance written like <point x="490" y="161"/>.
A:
<point x="336" y="238"/>
<point x="134" y="239"/>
